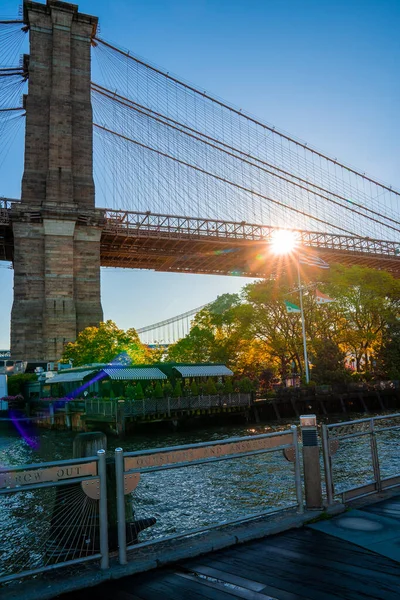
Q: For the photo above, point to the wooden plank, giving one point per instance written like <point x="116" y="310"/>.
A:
<point x="237" y="592"/>
<point x="345" y="557"/>
<point x="233" y="579"/>
<point x="344" y="551"/>
<point x="224" y="571"/>
<point x="328" y="570"/>
<point x="279" y="578"/>
<point x="172" y="587"/>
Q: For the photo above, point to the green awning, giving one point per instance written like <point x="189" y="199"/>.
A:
<point x="128" y="373"/>
<point x="69" y="377"/>
<point x="205" y="371"/>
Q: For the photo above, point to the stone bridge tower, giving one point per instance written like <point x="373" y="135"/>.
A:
<point x="56" y="226"/>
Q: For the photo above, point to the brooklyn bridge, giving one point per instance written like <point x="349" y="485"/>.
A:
<point x="185" y="182"/>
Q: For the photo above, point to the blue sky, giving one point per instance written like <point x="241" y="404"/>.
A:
<point x="327" y="72"/>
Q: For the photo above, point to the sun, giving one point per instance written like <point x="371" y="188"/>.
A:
<point x="283" y="241"/>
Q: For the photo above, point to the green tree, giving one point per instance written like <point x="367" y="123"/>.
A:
<point x="328" y="363"/>
<point x="197" y="346"/>
<point x="366" y="300"/>
<point x="130" y="391"/>
<point x="139" y="394"/>
<point x="245" y="385"/>
<point x="211" y="387"/>
<point x="107" y="343"/>
<point x="16" y="383"/>
<point x="168" y="389"/>
<point x="388" y="358"/>
<point x="194" y="388"/>
<point x="178" y="389"/>
<point x="158" y="391"/>
<point x="228" y="387"/>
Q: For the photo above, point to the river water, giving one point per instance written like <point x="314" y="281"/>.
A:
<point x="180" y="499"/>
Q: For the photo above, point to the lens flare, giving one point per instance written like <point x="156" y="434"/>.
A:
<point x="283" y="241"/>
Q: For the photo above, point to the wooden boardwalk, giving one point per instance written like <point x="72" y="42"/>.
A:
<point x="295" y="565"/>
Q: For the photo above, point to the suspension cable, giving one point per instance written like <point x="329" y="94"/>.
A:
<point x="176" y="125"/>
<point x="246" y="116"/>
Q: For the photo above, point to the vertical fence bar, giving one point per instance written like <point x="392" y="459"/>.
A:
<point x="103" y="520"/>
<point x="297" y="472"/>
<point x="375" y="457"/>
<point x="327" y="465"/>
<point x="119" y="474"/>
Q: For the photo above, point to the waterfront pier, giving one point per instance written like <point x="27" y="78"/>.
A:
<point x="217" y="497"/>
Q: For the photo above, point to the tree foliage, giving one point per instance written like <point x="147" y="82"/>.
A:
<point x="253" y="333"/>
<point x="107" y="343"/>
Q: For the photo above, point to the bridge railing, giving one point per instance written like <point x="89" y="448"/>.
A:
<point x="106" y="408"/>
<point x="193" y="489"/>
<point x="53" y="515"/>
<point x="361" y="456"/>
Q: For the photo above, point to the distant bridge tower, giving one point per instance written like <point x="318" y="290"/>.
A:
<point x="56" y="226"/>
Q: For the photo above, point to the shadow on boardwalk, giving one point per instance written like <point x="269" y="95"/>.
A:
<point x="298" y="564"/>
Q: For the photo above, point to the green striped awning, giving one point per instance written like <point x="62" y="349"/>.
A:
<point x="128" y="373"/>
<point x="205" y="371"/>
<point x="68" y="377"/>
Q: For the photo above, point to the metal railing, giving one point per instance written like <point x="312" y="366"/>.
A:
<point x="53" y="515"/>
<point x="100" y="407"/>
<point x="219" y="478"/>
<point x="151" y="406"/>
<point x="361" y="457"/>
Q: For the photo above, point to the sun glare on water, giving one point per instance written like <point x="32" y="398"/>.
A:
<point x="283" y="241"/>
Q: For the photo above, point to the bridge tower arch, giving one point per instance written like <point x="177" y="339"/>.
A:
<point x="56" y="226"/>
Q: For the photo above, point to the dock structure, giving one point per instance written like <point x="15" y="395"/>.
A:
<point x="299" y="564"/>
<point x="233" y="518"/>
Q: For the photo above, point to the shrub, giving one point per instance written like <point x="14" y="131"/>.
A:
<point x="194" y="388"/>
<point x="168" y="389"/>
<point x="210" y="387"/>
<point x="130" y="391"/>
<point x="16" y="383"/>
<point x="228" y="387"/>
<point x="139" y="395"/>
<point x="245" y="385"/>
<point x="149" y="391"/>
<point x="177" y="390"/>
<point x="158" y="391"/>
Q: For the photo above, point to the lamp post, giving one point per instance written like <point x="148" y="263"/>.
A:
<point x="303" y="326"/>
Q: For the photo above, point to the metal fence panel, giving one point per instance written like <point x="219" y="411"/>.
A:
<point x="361" y="456"/>
<point x="52" y="515"/>
<point x="191" y="489"/>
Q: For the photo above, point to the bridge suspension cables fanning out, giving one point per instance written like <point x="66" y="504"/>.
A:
<point x="165" y="146"/>
<point x="170" y="330"/>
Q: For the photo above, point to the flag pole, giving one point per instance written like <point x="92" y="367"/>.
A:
<point x="303" y="327"/>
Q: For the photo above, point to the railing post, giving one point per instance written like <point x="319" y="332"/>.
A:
<point x="297" y="472"/>
<point x="120" y="413"/>
<point x="312" y="469"/>
<point x="119" y="474"/>
<point x="68" y="415"/>
<point x="327" y="465"/>
<point x="374" y="455"/>
<point x="51" y="412"/>
<point x="103" y="519"/>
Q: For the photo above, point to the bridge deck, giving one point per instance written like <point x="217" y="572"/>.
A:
<point x="295" y="565"/>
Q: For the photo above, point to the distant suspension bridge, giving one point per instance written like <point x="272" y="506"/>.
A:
<point x="170" y="330"/>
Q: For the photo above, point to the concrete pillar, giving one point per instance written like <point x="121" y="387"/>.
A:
<point x="56" y="226"/>
<point x="311" y="466"/>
